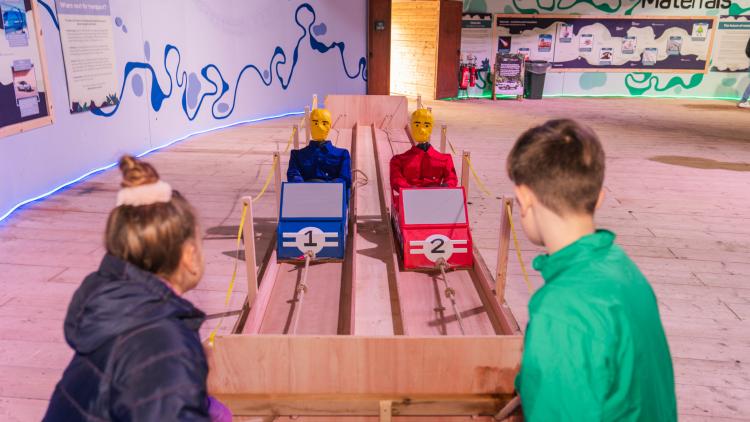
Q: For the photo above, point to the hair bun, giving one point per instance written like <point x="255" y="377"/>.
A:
<point x="136" y="172"/>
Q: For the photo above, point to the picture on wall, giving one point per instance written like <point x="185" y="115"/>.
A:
<point x="25" y="88"/>
<point x="24" y="99"/>
<point x="586" y="43"/>
<point x="566" y="33"/>
<point x="700" y="31"/>
<point x="673" y="45"/>
<point x="15" y="27"/>
<point x="545" y="43"/>
<point x="629" y="44"/>
<point x="617" y="42"/>
<point x="649" y="56"/>
<point x="503" y="44"/>
<point x="88" y="54"/>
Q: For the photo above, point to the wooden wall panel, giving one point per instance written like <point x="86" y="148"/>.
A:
<point x="379" y="48"/>
<point x="414" y="47"/>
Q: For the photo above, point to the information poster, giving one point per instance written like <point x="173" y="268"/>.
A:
<point x="476" y="47"/>
<point x="537" y="44"/>
<point x="733" y="34"/>
<point x="509" y="71"/>
<point x="24" y="103"/>
<point x="89" y="53"/>
<point x="591" y="43"/>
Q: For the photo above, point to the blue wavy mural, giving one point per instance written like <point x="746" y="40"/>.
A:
<point x="219" y="108"/>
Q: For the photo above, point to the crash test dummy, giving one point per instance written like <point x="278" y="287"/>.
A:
<point x="320" y="161"/>
<point x="422" y="166"/>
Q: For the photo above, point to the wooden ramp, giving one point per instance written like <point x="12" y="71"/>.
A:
<point x="328" y="304"/>
<point x="424" y="308"/>
<point x="398" y="353"/>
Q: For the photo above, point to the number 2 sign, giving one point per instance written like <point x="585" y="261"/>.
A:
<point x="437" y="246"/>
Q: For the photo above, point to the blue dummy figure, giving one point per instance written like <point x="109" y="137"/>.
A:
<point x="320" y="161"/>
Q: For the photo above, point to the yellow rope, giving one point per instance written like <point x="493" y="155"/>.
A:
<point x="481" y="185"/>
<point x="486" y="191"/>
<point x="289" y="143"/>
<point x="212" y="336"/>
<point x="230" y="289"/>
<point x="518" y="250"/>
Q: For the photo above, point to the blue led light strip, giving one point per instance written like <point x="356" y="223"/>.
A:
<point x="109" y="166"/>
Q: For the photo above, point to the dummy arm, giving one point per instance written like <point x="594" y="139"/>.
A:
<point x="398" y="181"/>
<point x="345" y="171"/>
<point x="293" y="173"/>
<point x="450" y="179"/>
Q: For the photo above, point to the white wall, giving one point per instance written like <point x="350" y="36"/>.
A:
<point x="221" y="36"/>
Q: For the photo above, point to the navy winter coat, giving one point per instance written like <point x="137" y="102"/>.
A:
<point x="138" y="356"/>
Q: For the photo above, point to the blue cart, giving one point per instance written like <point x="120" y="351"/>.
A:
<point x="313" y="220"/>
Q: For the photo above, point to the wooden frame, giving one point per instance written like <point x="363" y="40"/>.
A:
<point x="353" y="375"/>
<point x="713" y="19"/>
<point x="340" y="374"/>
<point x="49" y="119"/>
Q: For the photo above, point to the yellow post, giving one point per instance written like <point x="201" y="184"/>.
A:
<point x="443" y="138"/>
<point x="277" y="181"/>
<point x="307" y="124"/>
<point x="501" y="275"/>
<point x="248" y="234"/>
<point x="465" y="171"/>
<point x="295" y="128"/>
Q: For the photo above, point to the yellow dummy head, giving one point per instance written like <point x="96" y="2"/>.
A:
<point x="421" y="125"/>
<point x="320" y="124"/>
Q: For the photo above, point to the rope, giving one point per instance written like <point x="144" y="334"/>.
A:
<point x="230" y="289"/>
<point x="484" y="189"/>
<point x="451" y="295"/>
<point x="518" y="250"/>
<point x="481" y="185"/>
<point x="359" y="181"/>
<point x="291" y="137"/>
<point x="301" y="289"/>
<point x="212" y="336"/>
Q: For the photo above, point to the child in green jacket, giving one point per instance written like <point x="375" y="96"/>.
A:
<point x="595" y="349"/>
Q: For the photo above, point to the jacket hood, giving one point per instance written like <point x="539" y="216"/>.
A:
<point x="118" y="298"/>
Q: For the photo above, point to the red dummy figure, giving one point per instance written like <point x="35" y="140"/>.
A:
<point x="422" y="165"/>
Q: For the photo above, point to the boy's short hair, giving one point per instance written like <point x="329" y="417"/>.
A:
<point x="562" y="162"/>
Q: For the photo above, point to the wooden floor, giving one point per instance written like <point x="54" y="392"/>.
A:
<point x="678" y="196"/>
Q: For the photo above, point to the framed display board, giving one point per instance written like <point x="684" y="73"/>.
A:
<point x="609" y="43"/>
<point x="25" y="103"/>
<point x="732" y="35"/>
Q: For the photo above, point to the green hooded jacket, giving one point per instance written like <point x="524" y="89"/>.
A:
<point x="595" y="349"/>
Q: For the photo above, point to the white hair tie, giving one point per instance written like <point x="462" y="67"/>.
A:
<point x="151" y="193"/>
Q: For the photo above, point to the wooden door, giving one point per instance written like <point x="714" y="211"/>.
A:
<point x="449" y="49"/>
<point x="379" y="47"/>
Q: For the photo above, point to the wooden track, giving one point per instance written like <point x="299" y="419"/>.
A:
<point x="399" y="355"/>
<point x="328" y="304"/>
<point x="424" y="308"/>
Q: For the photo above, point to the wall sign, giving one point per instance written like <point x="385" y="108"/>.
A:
<point x="733" y="34"/>
<point x="89" y="53"/>
<point x="611" y="43"/>
<point x="24" y="99"/>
